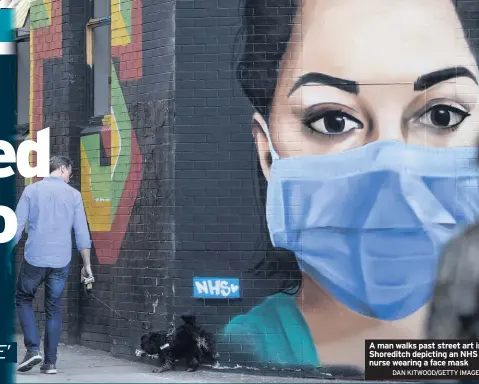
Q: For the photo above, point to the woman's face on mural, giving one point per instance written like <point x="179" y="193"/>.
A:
<point x="360" y="71"/>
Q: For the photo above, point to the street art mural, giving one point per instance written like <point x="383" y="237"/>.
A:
<point x="111" y="163"/>
<point x="45" y="31"/>
<point x="365" y="120"/>
<point x="364" y="123"/>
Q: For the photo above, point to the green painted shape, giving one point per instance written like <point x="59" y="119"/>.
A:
<point x="39" y="15"/>
<point x="126" y="7"/>
<point x="123" y="123"/>
<point x="106" y="185"/>
<point x="100" y="175"/>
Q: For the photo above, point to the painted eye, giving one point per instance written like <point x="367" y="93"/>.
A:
<point x="334" y="123"/>
<point x="443" y="116"/>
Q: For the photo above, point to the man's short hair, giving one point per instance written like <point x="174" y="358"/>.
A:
<point x="57" y="162"/>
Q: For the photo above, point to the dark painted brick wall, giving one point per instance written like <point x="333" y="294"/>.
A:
<point x="196" y="211"/>
<point x="139" y="284"/>
<point x="142" y="272"/>
<point x="217" y="224"/>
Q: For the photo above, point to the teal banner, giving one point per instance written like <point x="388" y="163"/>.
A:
<point x="7" y="31"/>
<point x="8" y="97"/>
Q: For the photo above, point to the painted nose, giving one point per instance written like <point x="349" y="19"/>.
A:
<point x="388" y="128"/>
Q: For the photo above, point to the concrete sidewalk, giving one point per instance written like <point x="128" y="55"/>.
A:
<point x="77" y="364"/>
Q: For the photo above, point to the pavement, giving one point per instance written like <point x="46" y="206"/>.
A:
<point x="77" y="364"/>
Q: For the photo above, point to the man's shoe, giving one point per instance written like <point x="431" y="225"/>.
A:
<point x="48" y="368"/>
<point x="29" y="361"/>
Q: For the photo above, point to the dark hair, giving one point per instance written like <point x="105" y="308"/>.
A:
<point x="266" y="31"/>
<point x="58" y="161"/>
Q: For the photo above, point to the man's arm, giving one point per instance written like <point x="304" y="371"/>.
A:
<point x="82" y="234"/>
<point x="22" y="211"/>
<point x="85" y="254"/>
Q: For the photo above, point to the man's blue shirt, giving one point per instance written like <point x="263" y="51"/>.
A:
<point x="51" y="209"/>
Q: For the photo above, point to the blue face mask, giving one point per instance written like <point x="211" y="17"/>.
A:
<point x="368" y="224"/>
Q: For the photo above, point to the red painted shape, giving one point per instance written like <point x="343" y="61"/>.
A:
<point x="108" y="244"/>
<point x="47" y="44"/>
<point x="131" y="55"/>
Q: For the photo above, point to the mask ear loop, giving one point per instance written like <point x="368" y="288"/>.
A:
<point x="274" y="154"/>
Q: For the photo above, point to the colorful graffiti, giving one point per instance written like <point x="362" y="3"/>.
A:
<point x="45" y="43"/>
<point x="109" y="190"/>
<point x="216" y="288"/>
<point x="365" y="139"/>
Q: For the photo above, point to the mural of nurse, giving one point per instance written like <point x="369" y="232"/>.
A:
<point x="365" y="123"/>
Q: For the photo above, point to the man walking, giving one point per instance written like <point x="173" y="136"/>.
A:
<point x="50" y="208"/>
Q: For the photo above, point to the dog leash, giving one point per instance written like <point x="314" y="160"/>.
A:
<point x="130" y="321"/>
<point x="88" y="287"/>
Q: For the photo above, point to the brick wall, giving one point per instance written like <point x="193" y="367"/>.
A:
<point x="140" y="279"/>
<point x="136" y="279"/>
<point x="217" y="225"/>
<point x="193" y="206"/>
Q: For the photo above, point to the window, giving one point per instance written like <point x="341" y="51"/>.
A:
<point x="22" y="38"/>
<point x="99" y="57"/>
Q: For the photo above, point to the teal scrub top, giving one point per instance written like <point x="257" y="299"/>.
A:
<point x="275" y="332"/>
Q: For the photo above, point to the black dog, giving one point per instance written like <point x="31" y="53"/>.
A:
<point x="187" y="342"/>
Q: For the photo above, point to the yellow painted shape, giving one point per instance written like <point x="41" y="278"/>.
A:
<point x="106" y="121"/>
<point x="97" y="212"/>
<point x="115" y="144"/>
<point x="119" y="32"/>
<point x="48" y="7"/>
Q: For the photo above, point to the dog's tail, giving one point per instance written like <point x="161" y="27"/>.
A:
<point x="189" y="319"/>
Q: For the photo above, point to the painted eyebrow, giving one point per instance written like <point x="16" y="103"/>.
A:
<point x="430" y="79"/>
<point x="422" y="83"/>
<point x="321" y="78"/>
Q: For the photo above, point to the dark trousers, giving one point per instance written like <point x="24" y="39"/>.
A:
<point x="29" y="279"/>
